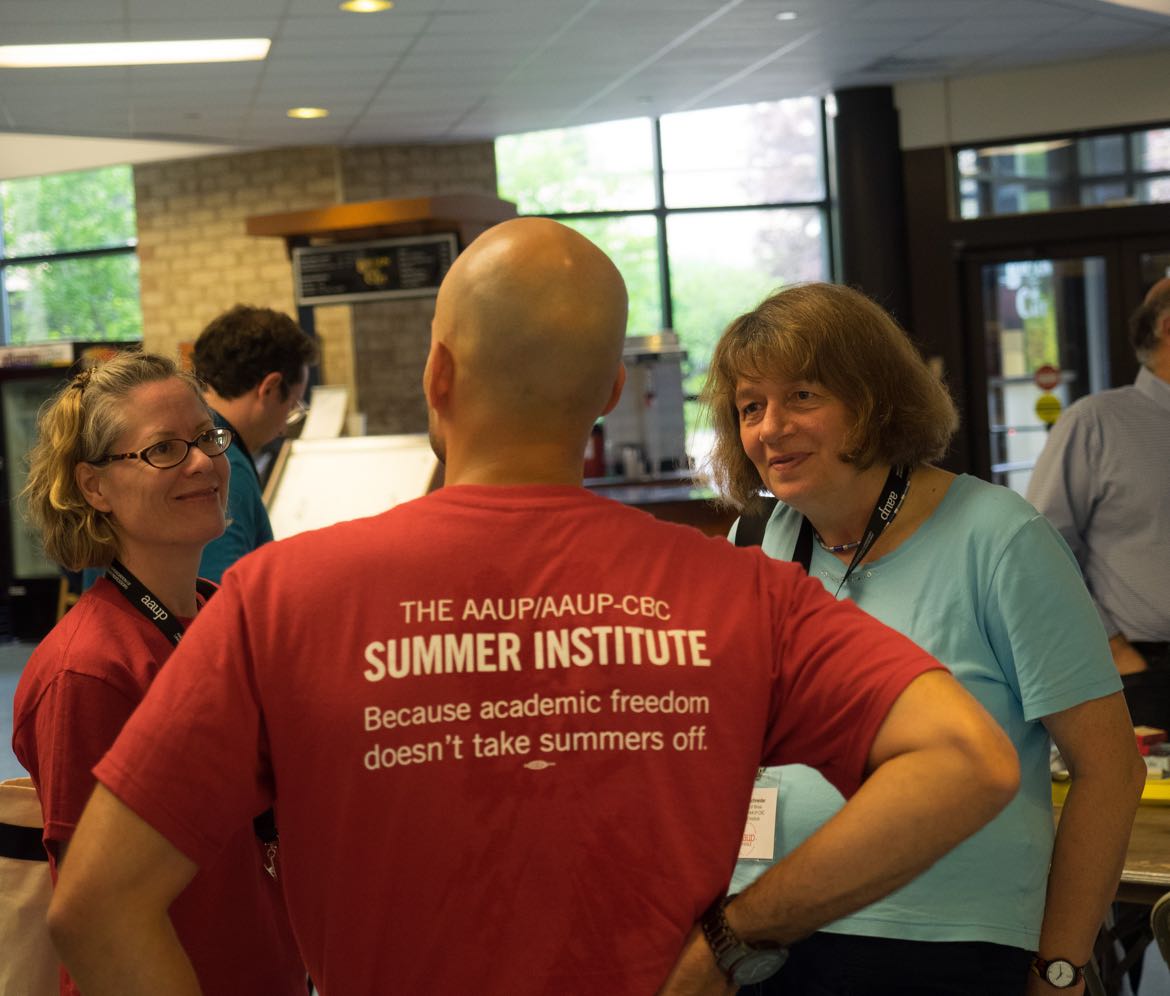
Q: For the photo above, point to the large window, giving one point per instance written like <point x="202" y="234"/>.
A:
<point x="68" y="269"/>
<point x="1098" y="170"/>
<point x="704" y="212"/>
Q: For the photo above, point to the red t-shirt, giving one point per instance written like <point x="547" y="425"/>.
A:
<point x="77" y="690"/>
<point x="510" y="733"/>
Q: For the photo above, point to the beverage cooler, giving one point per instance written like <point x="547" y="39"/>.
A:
<point x="29" y="375"/>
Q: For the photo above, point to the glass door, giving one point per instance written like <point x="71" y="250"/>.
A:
<point x="1153" y="266"/>
<point x="1034" y="317"/>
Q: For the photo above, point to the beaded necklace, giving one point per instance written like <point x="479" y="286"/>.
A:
<point x="846" y="547"/>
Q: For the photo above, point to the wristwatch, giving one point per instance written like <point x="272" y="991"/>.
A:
<point x="1060" y="973"/>
<point x="741" y="962"/>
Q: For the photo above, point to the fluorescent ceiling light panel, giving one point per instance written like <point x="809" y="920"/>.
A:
<point x="133" y="53"/>
<point x="1153" y="6"/>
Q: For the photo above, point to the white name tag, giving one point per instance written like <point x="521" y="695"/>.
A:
<point x="759" y="835"/>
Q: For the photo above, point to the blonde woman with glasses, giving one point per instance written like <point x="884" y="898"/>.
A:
<point x="130" y="473"/>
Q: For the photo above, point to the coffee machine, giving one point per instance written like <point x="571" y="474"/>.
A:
<point x="645" y="434"/>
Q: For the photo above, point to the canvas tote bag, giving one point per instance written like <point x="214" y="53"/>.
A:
<point x="28" y="963"/>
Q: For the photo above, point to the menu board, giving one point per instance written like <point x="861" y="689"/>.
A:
<point x="411" y="266"/>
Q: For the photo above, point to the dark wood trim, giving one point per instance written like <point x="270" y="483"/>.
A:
<point x="871" y="197"/>
<point x="1042" y="229"/>
<point x="356" y="220"/>
<point x="935" y="315"/>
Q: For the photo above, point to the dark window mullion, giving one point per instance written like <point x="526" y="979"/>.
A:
<point x="5" y="317"/>
<point x="62" y="257"/>
<point x="660" y="225"/>
<point x="826" y="205"/>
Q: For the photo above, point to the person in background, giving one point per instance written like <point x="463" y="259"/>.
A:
<point x="820" y="398"/>
<point x="129" y="473"/>
<point x="484" y="716"/>
<point x="1103" y="480"/>
<point x="254" y="364"/>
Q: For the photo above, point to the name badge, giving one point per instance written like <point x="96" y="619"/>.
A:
<point x="759" y="835"/>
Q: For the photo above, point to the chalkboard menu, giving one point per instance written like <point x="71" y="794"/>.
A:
<point x="371" y="271"/>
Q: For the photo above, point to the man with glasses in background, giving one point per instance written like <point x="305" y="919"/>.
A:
<point x="254" y="364"/>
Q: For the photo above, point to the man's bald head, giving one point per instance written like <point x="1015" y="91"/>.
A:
<point x="534" y="315"/>
<point x="1149" y="328"/>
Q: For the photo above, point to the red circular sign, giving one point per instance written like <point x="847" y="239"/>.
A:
<point x="1046" y="377"/>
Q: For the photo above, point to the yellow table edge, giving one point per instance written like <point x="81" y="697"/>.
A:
<point x="1155" y="793"/>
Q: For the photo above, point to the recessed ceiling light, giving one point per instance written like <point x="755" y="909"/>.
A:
<point x="308" y="112"/>
<point x="133" y="53"/>
<point x="786" y="15"/>
<point x="365" y="6"/>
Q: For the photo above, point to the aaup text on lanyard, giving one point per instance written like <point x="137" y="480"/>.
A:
<point x="144" y="600"/>
<point x="887" y="506"/>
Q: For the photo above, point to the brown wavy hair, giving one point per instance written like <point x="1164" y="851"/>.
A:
<point x="77" y="425"/>
<point x="833" y="335"/>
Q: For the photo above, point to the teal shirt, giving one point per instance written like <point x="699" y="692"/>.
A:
<point x="248" y="525"/>
<point x="989" y="588"/>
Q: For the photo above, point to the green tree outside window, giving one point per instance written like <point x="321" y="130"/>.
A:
<point x="88" y="298"/>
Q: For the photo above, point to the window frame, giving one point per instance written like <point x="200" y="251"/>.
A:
<point x="660" y="212"/>
<point x="1070" y="185"/>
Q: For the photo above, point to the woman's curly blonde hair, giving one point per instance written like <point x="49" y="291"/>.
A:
<point x="79" y="424"/>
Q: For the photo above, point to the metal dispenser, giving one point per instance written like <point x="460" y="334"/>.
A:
<point x="645" y="434"/>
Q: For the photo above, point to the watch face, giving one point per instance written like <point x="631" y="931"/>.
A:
<point x="759" y="965"/>
<point x="1060" y="973"/>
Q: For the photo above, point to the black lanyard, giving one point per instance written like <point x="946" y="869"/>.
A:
<point x="145" y="601"/>
<point x="888" y="503"/>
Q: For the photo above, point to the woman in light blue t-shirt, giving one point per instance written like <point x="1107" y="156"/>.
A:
<point x="819" y="395"/>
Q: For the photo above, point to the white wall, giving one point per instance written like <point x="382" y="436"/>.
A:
<point x="1065" y="96"/>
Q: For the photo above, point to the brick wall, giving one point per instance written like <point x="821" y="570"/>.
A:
<point x="196" y="261"/>
<point x="372" y="172"/>
<point x="391" y="338"/>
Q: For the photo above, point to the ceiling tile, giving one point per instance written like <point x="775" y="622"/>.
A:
<point x="442" y="68"/>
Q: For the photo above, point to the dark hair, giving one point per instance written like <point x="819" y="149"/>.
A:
<point x="241" y="347"/>
<point x="835" y="336"/>
<point x="1143" y="324"/>
<point x="77" y="425"/>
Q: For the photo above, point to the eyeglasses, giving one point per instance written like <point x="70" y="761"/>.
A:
<point x="298" y="412"/>
<point x="169" y="453"/>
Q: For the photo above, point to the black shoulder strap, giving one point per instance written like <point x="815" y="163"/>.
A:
<point x="750" y="531"/>
<point x="21" y="843"/>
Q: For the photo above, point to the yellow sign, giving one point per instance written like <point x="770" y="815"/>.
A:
<point x="1048" y="408"/>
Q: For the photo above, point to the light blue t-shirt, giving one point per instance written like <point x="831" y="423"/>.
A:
<point x="989" y="588"/>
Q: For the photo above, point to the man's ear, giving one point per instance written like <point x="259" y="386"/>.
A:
<point x="270" y="387"/>
<point x="1162" y="328"/>
<point x="438" y="375"/>
<point x="91" y="484"/>
<point x="616" y="393"/>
